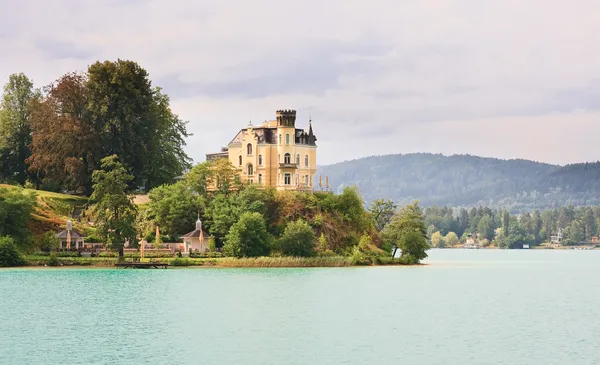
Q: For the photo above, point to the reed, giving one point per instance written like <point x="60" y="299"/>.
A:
<point x="285" y="261"/>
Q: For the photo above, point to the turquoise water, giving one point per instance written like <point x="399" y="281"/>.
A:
<point x="466" y="307"/>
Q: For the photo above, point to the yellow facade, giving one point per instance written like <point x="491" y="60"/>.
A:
<point x="275" y="153"/>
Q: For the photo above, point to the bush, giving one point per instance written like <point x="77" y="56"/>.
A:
<point x="178" y="261"/>
<point x="9" y="253"/>
<point x="248" y="237"/>
<point x="357" y="257"/>
<point x="67" y="254"/>
<point x="298" y="240"/>
<point x="49" y="242"/>
<point x="53" y="261"/>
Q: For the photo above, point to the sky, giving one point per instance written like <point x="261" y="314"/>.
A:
<point x="506" y="79"/>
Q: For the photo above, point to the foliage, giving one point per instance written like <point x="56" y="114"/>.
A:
<point x="65" y="143"/>
<point x="15" y="130"/>
<point x="298" y="239"/>
<point x="451" y="239"/>
<point x="437" y="240"/>
<point x="248" y="237"/>
<point x="212" y="245"/>
<point x="16" y="206"/>
<point x="57" y="140"/>
<point x="9" y="253"/>
<point x="174" y="208"/>
<point x="136" y="122"/>
<point x="115" y="212"/>
<point x="469" y="181"/>
<point x="49" y="242"/>
<point x="382" y="212"/>
<point x="407" y="231"/>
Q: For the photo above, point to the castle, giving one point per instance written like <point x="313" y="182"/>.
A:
<point x="275" y="154"/>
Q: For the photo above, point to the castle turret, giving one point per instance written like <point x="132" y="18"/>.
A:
<point x="286" y="118"/>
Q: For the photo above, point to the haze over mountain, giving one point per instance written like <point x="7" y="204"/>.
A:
<point x="466" y="180"/>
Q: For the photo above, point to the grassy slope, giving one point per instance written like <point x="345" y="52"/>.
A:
<point x="52" y="211"/>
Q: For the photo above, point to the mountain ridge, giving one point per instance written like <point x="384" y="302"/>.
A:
<point x="468" y="180"/>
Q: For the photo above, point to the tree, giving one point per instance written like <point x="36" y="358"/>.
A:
<point x="15" y="131"/>
<point x="382" y="212"/>
<point x="575" y="233"/>
<point x="9" y="253"/>
<point x="451" y="239"/>
<point x="248" y="237"/>
<point x="486" y="227"/>
<point x="413" y="245"/>
<point x="136" y="122"/>
<point x="114" y="209"/>
<point x="407" y="231"/>
<point x="298" y="239"/>
<point x="49" y="242"/>
<point x="175" y="208"/>
<point x="16" y="207"/>
<point x="437" y="240"/>
<point x="65" y="145"/>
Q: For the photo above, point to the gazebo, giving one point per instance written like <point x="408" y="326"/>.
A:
<point x="69" y="238"/>
<point x="195" y="240"/>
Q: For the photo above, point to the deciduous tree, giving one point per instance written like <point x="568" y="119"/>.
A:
<point x="248" y="237"/>
<point x="114" y="209"/>
<point x="15" y="130"/>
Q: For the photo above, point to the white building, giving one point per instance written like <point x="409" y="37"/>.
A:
<point x="70" y="239"/>
<point x="196" y="240"/>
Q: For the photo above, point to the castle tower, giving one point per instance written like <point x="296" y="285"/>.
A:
<point x="286" y="147"/>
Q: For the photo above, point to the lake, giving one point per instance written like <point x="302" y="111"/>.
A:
<point x="465" y="307"/>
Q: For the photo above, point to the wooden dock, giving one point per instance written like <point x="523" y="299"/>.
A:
<point x="142" y="265"/>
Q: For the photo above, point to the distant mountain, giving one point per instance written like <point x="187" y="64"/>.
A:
<point x="465" y="180"/>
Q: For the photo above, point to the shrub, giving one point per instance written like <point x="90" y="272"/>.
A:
<point x="178" y="261"/>
<point x="53" y="261"/>
<point x="9" y="253"/>
<point x="67" y="254"/>
<point x="49" y="242"/>
<point x="298" y="240"/>
<point x="357" y="257"/>
<point x="248" y="237"/>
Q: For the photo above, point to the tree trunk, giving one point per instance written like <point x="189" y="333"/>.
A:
<point x="394" y="252"/>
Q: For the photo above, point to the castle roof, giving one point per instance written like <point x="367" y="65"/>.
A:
<point x="268" y="135"/>
<point x="74" y="235"/>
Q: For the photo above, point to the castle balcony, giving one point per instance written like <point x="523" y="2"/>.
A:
<point x="288" y="165"/>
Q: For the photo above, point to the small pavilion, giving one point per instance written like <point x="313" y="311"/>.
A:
<point x="195" y="240"/>
<point x="70" y="238"/>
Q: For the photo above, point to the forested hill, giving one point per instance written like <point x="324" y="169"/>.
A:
<point x="464" y="180"/>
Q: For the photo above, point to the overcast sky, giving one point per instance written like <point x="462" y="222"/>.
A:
<point x="508" y="79"/>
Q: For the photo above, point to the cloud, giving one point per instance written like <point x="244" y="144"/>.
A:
<point x="378" y="76"/>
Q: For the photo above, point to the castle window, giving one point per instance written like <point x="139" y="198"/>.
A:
<point x="298" y="160"/>
<point x="240" y="159"/>
<point x="260" y="162"/>
<point x="280" y="139"/>
<point x="250" y="169"/>
<point x="260" y="178"/>
<point x="287" y="158"/>
<point x="306" y="160"/>
<point x="306" y="180"/>
<point x="249" y="148"/>
<point x="287" y="139"/>
<point x="287" y="179"/>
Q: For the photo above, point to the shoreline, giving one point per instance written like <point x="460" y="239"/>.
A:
<point x="225" y="262"/>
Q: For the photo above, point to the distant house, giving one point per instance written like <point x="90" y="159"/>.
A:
<point x="595" y="239"/>
<point x="526" y="246"/>
<point x="472" y="241"/>
<point x="557" y="237"/>
<point x="70" y="239"/>
<point x="196" y="240"/>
